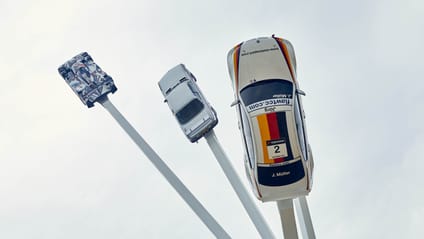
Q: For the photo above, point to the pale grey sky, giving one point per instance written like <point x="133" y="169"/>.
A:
<point x="70" y="172"/>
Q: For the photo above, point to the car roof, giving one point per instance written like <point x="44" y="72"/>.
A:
<point x="180" y="96"/>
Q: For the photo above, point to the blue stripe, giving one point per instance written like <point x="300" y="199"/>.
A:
<point x="281" y="175"/>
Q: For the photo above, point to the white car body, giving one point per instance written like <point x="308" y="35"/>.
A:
<point x="278" y="157"/>
<point x="187" y="103"/>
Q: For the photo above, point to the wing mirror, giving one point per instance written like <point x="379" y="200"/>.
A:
<point x="300" y="92"/>
<point x="235" y="102"/>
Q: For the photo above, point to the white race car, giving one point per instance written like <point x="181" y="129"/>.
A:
<point x="189" y="106"/>
<point x="278" y="157"/>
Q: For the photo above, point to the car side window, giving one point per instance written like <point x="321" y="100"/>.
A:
<point x="247" y="136"/>
<point x="299" y="127"/>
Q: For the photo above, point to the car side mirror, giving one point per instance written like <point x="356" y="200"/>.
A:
<point x="235" y="102"/>
<point x="300" y="92"/>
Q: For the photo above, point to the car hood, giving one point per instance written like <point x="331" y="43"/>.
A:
<point x="260" y="59"/>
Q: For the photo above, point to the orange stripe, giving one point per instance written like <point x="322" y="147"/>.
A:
<point x="265" y="136"/>
<point x="287" y="56"/>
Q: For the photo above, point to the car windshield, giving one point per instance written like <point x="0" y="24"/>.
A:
<point x="266" y="90"/>
<point x="189" y="111"/>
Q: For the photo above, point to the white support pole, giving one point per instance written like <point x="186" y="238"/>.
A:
<point x="304" y="218"/>
<point x="253" y="212"/>
<point x="288" y="221"/>
<point x="176" y="183"/>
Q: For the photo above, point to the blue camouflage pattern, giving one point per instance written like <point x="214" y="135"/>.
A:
<point x="87" y="79"/>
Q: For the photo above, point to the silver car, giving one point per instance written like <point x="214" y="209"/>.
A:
<point x="187" y="103"/>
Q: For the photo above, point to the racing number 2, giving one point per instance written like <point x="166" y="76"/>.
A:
<point x="277" y="149"/>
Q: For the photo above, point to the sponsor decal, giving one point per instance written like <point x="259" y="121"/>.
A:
<point x="282" y="96"/>
<point x="259" y="51"/>
<point x="270" y="109"/>
<point x="280" y="174"/>
<point x="268" y="103"/>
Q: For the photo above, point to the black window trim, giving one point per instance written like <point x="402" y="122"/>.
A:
<point x="241" y="99"/>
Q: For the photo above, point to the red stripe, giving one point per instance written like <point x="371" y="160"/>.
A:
<point x="274" y="132"/>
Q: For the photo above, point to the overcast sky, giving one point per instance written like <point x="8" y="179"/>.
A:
<point x="70" y="172"/>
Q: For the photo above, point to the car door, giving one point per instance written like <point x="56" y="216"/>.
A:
<point x="247" y="137"/>
<point x="300" y="130"/>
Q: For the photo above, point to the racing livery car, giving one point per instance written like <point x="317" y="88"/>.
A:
<point x="278" y="157"/>
<point x="87" y="79"/>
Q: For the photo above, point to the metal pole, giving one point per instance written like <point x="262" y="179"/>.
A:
<point x="182" y="190"/>
<point x="288" y="221"/>
<point x="304" y="218"/>
<point x="237" y="185"/>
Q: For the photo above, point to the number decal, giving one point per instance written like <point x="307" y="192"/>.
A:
<point x="277" y="149"/>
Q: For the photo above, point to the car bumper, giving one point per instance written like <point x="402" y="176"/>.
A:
<point x="197" y="132"/>
<point x="282" y="181"/>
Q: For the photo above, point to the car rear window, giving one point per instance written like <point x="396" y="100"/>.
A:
<point x="189" y="111"/>
<point x="267" y="89"/>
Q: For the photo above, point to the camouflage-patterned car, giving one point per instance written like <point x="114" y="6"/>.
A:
<point x="87" y="79"/>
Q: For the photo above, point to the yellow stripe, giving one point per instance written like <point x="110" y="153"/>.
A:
<point x="265" y="136"/>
